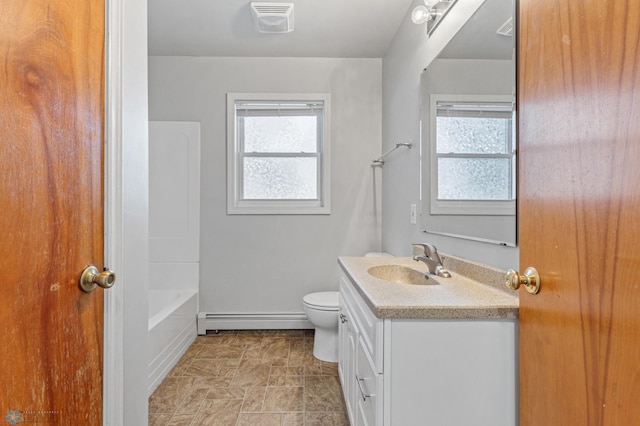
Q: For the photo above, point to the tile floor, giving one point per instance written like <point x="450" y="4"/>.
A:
<point x="250" y="378"/>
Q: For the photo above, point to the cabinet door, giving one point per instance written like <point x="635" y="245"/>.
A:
<point x="343" y="342"/>
<point x="370" y="328"/>
<point x="348" y="335"/>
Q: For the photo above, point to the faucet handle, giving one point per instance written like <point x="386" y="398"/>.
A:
<point x="420" y="249"/>
<point x="432" y="252"/>
<point x="427" y="250"/>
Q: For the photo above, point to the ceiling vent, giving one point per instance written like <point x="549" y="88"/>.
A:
<point x="507" y="28"/>
<point x="272" y="17"/>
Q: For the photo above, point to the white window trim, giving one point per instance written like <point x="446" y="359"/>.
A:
<point x="462" y="207"/>
<point x="234" y="172"/>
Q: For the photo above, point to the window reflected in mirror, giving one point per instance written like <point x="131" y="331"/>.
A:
<point x="468" y="128"/>
<point x="473" y="155"/>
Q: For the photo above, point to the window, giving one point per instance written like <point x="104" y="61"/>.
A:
<point x="278" y="153"/>
<point x="472" y="155"/>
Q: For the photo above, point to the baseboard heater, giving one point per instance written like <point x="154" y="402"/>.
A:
<point x="208" y="321"/>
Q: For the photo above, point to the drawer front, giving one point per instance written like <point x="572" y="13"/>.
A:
<point x="368" y="389"/>
<point x="370" y="326"/>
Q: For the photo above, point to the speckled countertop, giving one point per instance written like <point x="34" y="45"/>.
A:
<point x="457" y="297"/>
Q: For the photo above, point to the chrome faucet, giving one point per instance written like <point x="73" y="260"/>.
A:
<point x="428" y="254"/>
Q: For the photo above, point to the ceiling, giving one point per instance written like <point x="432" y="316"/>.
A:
<point x="322" y="28"/>
<point x="478" y="38"/>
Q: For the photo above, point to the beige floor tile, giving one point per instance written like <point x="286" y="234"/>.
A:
<point x="169" y="395"/>
<point x="277" y="381"/>
<point x="182" y="419"/>
<point x="295" y="371"/>
<point x="247" y="339"/>
<point x="312" y="370"/>
<point x="274" y="347"/>
<point x="229" y="372"/>
<point x="252" y="351"/>
<point x="326" y="419"/>
<point x="294" y="381"/>
<point x="212" y="382"/>
<point x="254" y="399"/>
<point x="279" y="362"/>
<point x="250" y="377"/>
<point x="252" y="373"/>
<point x="180" y="369"/>
<point x="278" y="370"/>
<point x="257" y="377"/>
<point x="299" y="358"/>
<point x="281" y="399"/>
<point x="261" y="419"/>
<point x="330" y="368"/>
<point x="218" y="412"/>
<point x="221" y="351"/>
<point x="293" y="419"/>
<point x="323" y="393"/>
<point x="192" y="400"/>
<point x="231" y="362"/>
<point x="226" y="393"/>
<point x="203" y="368"/>
<point x="159" y="419"/>
<point x="185" y="361"/>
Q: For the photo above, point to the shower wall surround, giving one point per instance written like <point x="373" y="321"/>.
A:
<point x="174" y="243"/>
<point x="174" y="205"/>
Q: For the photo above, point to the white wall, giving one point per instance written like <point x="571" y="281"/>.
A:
<point x="409" y="53"/>
<point x="267" y="264"/>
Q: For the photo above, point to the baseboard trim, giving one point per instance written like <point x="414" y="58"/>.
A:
<point x="208" y="321"/>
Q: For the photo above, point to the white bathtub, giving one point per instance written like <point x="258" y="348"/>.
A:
<point x="172" y="329"/>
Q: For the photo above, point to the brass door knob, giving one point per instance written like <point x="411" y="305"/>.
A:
<point x="530" y="280"/>
<point x="92" y="278"/>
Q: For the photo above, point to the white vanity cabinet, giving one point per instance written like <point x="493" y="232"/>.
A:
<point x="403" y="372"/>
<point x="360" y="357"/>
<point x="348" y="340"/>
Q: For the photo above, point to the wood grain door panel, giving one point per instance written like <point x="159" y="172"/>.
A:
<point x="51" y="222"/>
<point x="579" y="211"/>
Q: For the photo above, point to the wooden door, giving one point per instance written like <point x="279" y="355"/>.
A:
<point x="51" y="214"/>
<point x="579" y="211"/>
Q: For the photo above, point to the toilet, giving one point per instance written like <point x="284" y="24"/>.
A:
<point x="322" y="311"/>
<point x="377" y="254"/>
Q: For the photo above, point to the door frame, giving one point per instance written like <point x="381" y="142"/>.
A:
<point x="113" y="353"/>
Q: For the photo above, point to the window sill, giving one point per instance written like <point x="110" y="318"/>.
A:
<point x="278" y="208"/>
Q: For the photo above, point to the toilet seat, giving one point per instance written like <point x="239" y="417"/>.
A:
<point x="322" y="301"/>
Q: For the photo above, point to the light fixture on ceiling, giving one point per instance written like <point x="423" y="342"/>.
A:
<point x="431" y="12"/>
<point x="272" y="17"/>
<point x="422" y="13"/>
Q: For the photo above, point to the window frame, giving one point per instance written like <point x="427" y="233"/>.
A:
<point x="469" y="207"/>
<point x="236" y="204"/>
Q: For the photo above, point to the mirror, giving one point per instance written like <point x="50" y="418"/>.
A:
<point x="468" y="131"/>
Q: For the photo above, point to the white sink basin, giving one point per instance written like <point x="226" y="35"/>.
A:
<point x="400" y="274"/>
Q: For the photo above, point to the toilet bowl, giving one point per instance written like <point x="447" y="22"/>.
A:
<point x="377" y="254"/>
<point x="322" y="311"/>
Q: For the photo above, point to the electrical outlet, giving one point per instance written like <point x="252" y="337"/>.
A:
<point x="414" y="213"/>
